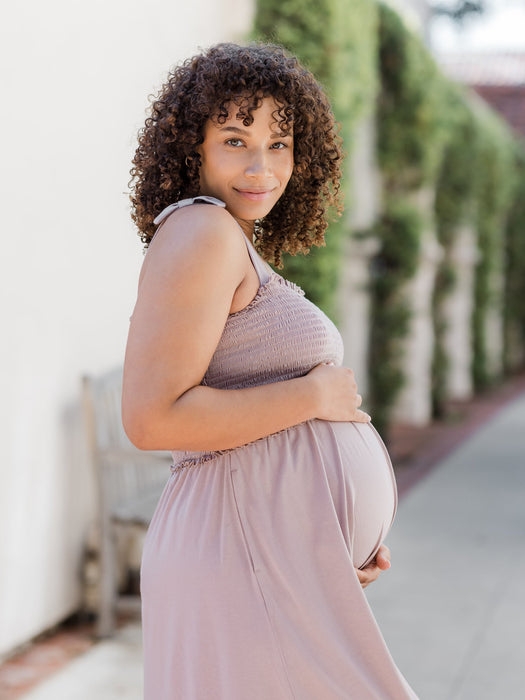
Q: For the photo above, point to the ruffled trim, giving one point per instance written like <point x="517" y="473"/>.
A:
<point x="195" y="461"/>
<point x="206" y="457"/>
<point x="292" y="285"/>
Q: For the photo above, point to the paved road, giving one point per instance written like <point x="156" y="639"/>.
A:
<point x="452" y="607"/>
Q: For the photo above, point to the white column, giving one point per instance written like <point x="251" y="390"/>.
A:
<point x="458" y="309"/>
<point x="414" y="405"/>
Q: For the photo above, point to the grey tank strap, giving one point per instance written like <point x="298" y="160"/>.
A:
<point x="184" y="203"/>
<point x="263" y="270"/>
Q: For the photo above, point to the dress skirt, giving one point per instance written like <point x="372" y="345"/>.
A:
<point x="248" y="581"/>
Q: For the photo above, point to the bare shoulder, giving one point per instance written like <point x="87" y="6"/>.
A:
<point x="194" y="235"/>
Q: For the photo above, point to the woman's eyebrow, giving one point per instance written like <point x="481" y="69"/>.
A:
<point x="234" y="130"/>
<point x="246" y="132"/>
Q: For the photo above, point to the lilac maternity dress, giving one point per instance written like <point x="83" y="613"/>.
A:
<point x="248" y="582"/>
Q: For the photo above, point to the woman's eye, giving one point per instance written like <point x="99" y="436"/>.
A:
<point x="278" y="145"/>
<point x="234" y="142"/>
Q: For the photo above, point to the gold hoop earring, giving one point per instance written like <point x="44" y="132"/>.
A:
<point x="188" y="161"/>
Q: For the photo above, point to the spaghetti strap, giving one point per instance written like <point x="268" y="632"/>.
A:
<point x="262" y="269"/>
<point x="184" y="203"/>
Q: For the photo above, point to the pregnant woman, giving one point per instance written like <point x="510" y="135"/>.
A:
<point x="281" y="491"/>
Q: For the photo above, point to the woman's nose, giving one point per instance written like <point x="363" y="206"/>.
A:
<point x="258" y="164"/>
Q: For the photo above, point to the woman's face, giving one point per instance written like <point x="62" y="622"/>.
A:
<point x="247" y="167"/>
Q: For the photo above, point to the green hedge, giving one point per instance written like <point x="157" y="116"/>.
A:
<point x="412" y="124"/>
<point x="514" y="318"/>
<point x="454" y="206"/>
<point x="399" y="231"/>
<point x="493" y="197"/>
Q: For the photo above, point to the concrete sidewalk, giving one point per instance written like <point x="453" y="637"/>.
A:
<point x="452" y="605"/>
<point x="110" y="670"/>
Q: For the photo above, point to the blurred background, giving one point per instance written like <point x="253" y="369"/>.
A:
<point x="424" y="275"/>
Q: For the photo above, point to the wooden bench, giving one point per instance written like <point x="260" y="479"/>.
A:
<point x="129" y="483"/>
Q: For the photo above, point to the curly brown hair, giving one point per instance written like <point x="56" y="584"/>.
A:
<point x="166" y="164"/>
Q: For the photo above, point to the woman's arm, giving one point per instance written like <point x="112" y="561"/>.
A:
<point x="196" y="265"/>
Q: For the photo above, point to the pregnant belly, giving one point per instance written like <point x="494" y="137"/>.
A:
<point x="362" y="483"/>
<point x="314" y="482"/>
<point x="319" y="481"/>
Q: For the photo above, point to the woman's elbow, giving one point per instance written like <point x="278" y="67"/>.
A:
<point x="137" y="429"/>
<point x="148" y="431"/>
<point x="140" y="426"/>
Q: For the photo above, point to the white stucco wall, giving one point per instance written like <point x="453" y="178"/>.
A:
<point x="78" y="76"/>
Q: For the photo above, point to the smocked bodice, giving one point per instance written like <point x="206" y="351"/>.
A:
<point x="279" y="335"/>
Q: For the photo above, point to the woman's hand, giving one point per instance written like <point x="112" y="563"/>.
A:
<point x="336" y="391"/>
<point x="381" y="562"/>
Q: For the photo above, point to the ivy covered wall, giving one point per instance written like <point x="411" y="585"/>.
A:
<point x="434" y="133"/>
<point x="433" y="137"/>
<point x="412" y="132"/>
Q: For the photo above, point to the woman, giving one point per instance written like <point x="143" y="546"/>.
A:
<point x="280" y="489"/>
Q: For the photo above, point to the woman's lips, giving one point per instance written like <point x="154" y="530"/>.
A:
<point x="254" y="195"/>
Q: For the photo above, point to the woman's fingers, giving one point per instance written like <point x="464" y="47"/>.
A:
<point x="361" y="417"/>
<point x="338" y="392"/>
<point x="383" y="558"/>
<point x="381" y="562"/>
<point x="368" y="575"/>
